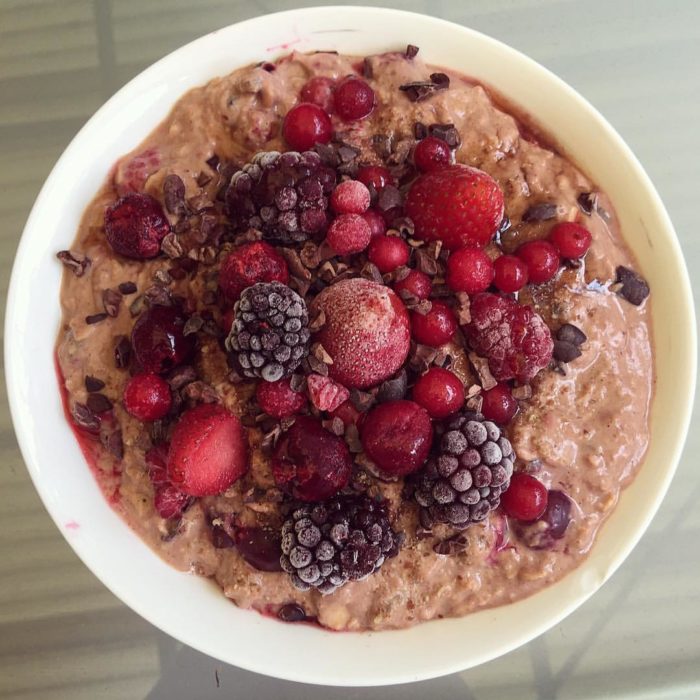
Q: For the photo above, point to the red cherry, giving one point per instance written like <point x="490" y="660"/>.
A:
<point x="397" y="436"/>
<point x="431" y="153"/>
<point x="135" y="225"/>
<point x="416" y="283"/>
<point x="278" y="399"/>
<point x="319" y="91"/>
<point x="510" y="273"/>
<point x="525" y="499"/>
<point x="353" y="99"/>
<point x="306" y="125"/>
<point x="259" y="546"/>
<point x="541" y="258"/>
<point x="348" y="234"/>
<point x="570" y="239"/>
<point x="469" y="270"/>
<point x="158" y="340"/>
<point x="376" y="175"/>
<point x="388" y="253"/>
<point x="376" y="222"/>
<point x="435" y="328"/>
<point x="147" y="397"/>
<point x="440" y="392"/>
<point x="499" y="404"/>
<point x="350" y="197"/>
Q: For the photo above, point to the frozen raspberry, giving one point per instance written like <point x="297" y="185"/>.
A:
<point x="158" y="341"/>
<point x="469" y="270"/>
<point x="278" y="399"/>
<point x="350" y="197"/>
<point x="366" y="331"/>
<point x="431" y="154"/>
<point x="397" y="436"/>
<point x="388" y="252"/>
<point x="416" y="283"/>
<point x="435" y="328"/>
<point x="541" y="258"/>
<point x="131" y="175"/>
<point x="510" y="273"/>
<point x="499" y="405"/>
<point x="135" y="225"/>
<point x="319" y="91"/>
<point x="259" y="546"/>
<point x="376" y="222"/>
<point x="459" y="205"/>
<point x="525" y="499"/>
<point x="376" y="175"/>
<point x="514" y="339"/>
<point x="348" y="234"/>
<point x="147" y="397"/>
<point x="248" y="264"/>
<point x="353" y="99"/>
<point x="306" y="125"/>
<point x="439" y="392"/>
<point x="309" y="462"/>
<point x="208" y="451"/>
<point x="325" y="393"/>
<point x="570" y="239"/>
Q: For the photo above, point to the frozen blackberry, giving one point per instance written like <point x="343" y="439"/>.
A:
<point x="284" y="195"/>
<point x="344" y="539"/>
<point x="465" y="480"/>
<point x="269" y="336"/>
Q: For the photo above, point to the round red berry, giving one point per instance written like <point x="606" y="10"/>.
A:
<point x="469" y="270"/>
<point x="509" y="273"/>
<point x="388" y="253"/>
<point x="306" y="125"/>
<point x="350" y="197"/>
<point x="135" y="225"/>
<point x="319" y="91"/>
<point x="249" y="264"/>
<point x="278" y="399"/>
<point x="377" y="224"/>
<point x="376" y="175"/>
<point x="435" y="328"/>
<point x="541" y="258"/>
<point x="158" y="340"/>
<point x="416" y="283"/>
<point x="147" y="397"/>
<point x="525" y="499"/>
<point x="431" y="153"/>
<point x="439" y="392"/>
<point x="499" y="405"/>
<point x="570" y="239"/>
<point x="348" y="234"/>
<point x="353" y="99"/>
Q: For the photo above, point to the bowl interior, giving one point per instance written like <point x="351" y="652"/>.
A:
<point x="190" y="608"/>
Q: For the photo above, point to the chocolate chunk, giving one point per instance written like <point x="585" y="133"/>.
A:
<point x="411" y="51"/>
<point x="382" y="145"/>
<point x="420" y="131"/>
<point x="111" y="300"/>
<point x="352" y="438"/>
<point x="163" y="277"/>
<point x="193" y="324"/>
<point x="174" y="194"/>
<point x="522" y="392"/>
<point x="156" y="295"/>
<point x="419" y="90"/>
<point x="541" y="212"/>
<point x="74" y="261"/>
<point x="113" y="442"/>
<point x="335" y="426"/>
<point x="98" y="403"/>
<point x="95" y="318"/>
<point x="84" y="417"/>
<point x="203" y="179"/>
<point x="481" y="367"/>
<point x="297" y="382"/>
<point x="361" y="400"/>
<point x="441" y="80"/>
<point x="571" y="334"/>
<point x="122" y="352"/>
<point x="452" y="545"/>
<point x="586" y="202"/>
<point x="93" y="383"/>
<point x="389" y="198"/>
<point x="634" y="288"/>
<point x="213" y="162"/>
<point x="291" y="613"/>
<point x="200" y="392"/>
<point x="371" y="272"/>
<point x="393" y="389"/>
<point x="425" y="262"/>
<point x="565" y="351"/>
<point x="447" y="133"/>
<point x="181" y="376"/>
<point x="127" y="288"/>
<point x="463" y="308"/>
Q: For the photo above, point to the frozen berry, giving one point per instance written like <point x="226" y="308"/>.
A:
<point x="541" y="258"/>
<point x="248" y="264"/>
<point x="366" y="331"/>
<point x="135" y="225"/>
<point x="347" y="413"/>
<point x="388" y="252"/>
<point x="439" y="392"/>
<point x="514" y="339"/>
<point x="510" y="273"/>
<point x="325" y="393"/>
<point x="525" y="499"/>
<point x="376" y="175"/>
<point x="169" y="501"/>
<point x="353" y="99"/>
<point x="436" y="327"/>
<point x="570" y="239"/>
<point x="459" y="205"/>
<point x="416" y="283"/>
<point x="350" y="197"/>
<point x="147" y="397"/>
<point x="278" y="399"/>
<point x="499" y="405"/>
<point x="469" y="270"/>
<point x="306" y="125"/>
<point x="376" y="222"/>
<point x="431" y="153"/>
<point x="348" y="234"/>
<point x="208" y="451"/>
<point x="397" y="436"/>
<point x="131" y="173"/>
<point x="319" y="91"/>
<point x="158" y="341"/>
<point x="259" y="546"/>
<point x="311" y="463"/>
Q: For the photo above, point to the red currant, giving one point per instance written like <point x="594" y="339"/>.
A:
<point x="439" y="392"/>
<point x="499" y="404"/>
<point x="416" y="283"/>
<point x="306" y="125"/>
<point x="570" y="239"/>
<point x="376" y="175"/>
<point x="353" y="99"/>
<point x="388" y="252"/>
<point x="319" y="91"/>
<point x="278" y="399"/>
<point x="350" y="197"/>
<point x="469" y="270"/>
<point x="541" y="258"/>
<point x="147" y="397"/>
<point x="509" y="273"/>
<point x="348" y="234"/>
<point x="525" y="499"/>
<point x="431" y="153"/>
<point x="376" y="222"/>
<point x="435" y="328"/>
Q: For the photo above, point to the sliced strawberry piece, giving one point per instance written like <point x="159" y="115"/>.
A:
<point x="131" y="175"/>
<point x="324" y="393"/>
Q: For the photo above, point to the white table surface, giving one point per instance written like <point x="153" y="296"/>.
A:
<point x="63" y="635"/>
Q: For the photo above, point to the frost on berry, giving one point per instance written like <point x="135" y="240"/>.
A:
<point x="325" y="393"/>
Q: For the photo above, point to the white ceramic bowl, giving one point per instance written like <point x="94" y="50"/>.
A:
<point x="190" y="608"/>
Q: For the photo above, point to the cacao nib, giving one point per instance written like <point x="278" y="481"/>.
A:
<point x="541" y="212"/>
<point x="127" y="288"/>
<point x="74" y="261"/>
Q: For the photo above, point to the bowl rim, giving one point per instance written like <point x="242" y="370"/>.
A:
<point x="436" y="667"/>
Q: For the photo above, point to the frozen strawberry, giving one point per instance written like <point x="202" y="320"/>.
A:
<point x="135" y="225"/>
<point x="170" y="502"/>
<point x="131" y="175"/>
<point x="208" y="451"/>
<point x="278" y="399"/>
<point x="459" y="205"/>
<point x="249" y="264"/>
<point x="325" y="393"/>
<point x="366" y="331"/>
